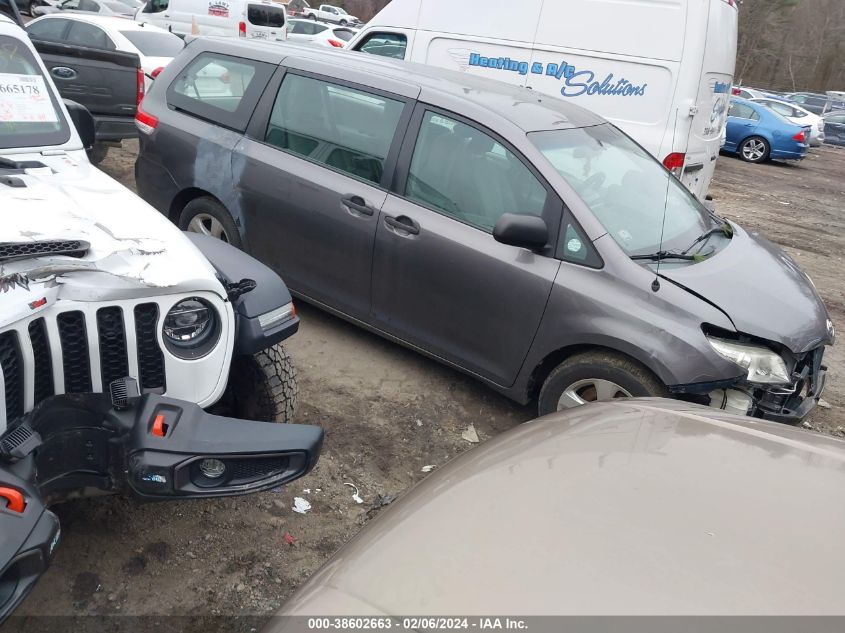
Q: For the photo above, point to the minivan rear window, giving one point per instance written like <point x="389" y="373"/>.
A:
<point x="220" y="88"/>
<point x="264" y="15"/>
<point x="29" y="112"/>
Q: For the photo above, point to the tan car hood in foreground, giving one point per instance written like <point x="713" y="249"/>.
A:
<point x="638" y="507"/>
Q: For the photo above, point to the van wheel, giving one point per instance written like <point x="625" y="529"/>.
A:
<point x="207" y="216"/>
<point x="754" y="149"/>
<point x="262" y="387"/>
<point x="596" y="377"/>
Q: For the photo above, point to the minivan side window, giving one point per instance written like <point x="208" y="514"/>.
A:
<point x="385" y="44"/>
<point x="469" y="176"/>
<point x="337" y="126"/>
<point x="220" y="88"/>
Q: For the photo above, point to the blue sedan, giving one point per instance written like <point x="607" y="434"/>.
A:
<point x="756" y="134"/>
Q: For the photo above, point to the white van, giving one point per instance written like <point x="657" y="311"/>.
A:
<point x="257" y="19"/>
<point x="659" y="69"/>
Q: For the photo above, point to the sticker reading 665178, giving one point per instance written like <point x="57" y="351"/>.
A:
<point x="25" y="99"/>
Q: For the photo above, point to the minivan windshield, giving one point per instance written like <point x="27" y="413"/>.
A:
<point x="29" y="113"/>
<point x="627" y="190"/>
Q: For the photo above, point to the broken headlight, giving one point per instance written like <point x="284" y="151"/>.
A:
<point x="763" y="365"/>
<point x="191" y="328"/>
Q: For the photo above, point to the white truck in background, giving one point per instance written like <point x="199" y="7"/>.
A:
<point x="661" y="71"/>
<point x="330" y="13"/>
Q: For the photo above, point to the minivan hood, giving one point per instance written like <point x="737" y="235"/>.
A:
<point x="132" y="246"/>
<point x="761" y="289"/>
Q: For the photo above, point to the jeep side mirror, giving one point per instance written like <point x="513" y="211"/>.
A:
<point x="525" y="231"/>
<point x="83" y="122"/>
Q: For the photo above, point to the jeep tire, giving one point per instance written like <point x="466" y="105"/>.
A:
<point x="262" y="387"/>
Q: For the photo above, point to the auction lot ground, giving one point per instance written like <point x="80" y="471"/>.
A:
<point x="387" y="413"/>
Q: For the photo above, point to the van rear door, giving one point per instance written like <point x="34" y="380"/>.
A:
<point x="264" y="21"/>
<point x="714" y="92"/>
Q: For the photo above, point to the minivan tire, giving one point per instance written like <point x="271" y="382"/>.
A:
<point x="605" y="367"/>
<point x="761" y="155"/>
<point x="216" y="219"/>
<point x="262" y="387"/>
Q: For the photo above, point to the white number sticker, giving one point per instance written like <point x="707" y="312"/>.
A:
<point x="25" y="99"/>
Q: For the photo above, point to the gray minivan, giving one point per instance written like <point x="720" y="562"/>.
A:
<point x="516" y="237"/>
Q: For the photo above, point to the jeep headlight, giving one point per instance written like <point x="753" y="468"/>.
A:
<point x="191" y="328"/>
<point x="763" y="365"/>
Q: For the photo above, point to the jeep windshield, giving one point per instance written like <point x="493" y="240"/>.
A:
<point x="627" y="190"/>
<point x="29" y="112"/>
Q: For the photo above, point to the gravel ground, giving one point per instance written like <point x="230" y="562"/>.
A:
<point x="387" y="413"/>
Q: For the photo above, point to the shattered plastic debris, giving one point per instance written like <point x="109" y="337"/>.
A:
<point x="429" y="468"/>
<point x="355" y="497"/>
<point x="289" y="539"/>
<point x="824" y="404"/>
<point x="470" y="434"/>
<point x="806" y="425"/>
<point x="300" y="505"/>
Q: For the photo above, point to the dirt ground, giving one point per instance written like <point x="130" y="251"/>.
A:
<point x="387" y="413"/>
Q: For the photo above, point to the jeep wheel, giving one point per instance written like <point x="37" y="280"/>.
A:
<point x="261" y="387"/>
<point x="596" y="377"/>
<point x="207" y="216"/>
<point x="98" y="153"/>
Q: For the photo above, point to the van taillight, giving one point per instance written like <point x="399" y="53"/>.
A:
<point x="156" y="72"/>
<point x="242" y="29"/>
<point x="800" y="137"/>
<point x="674" y="162"/>
<point x="140" y="87"/>
<point x="145" y="122"/>
<point x="336" y="43"/>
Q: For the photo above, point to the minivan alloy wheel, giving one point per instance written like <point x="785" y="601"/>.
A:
<point x="590" y="390"/>
<point x="208" y="225"/>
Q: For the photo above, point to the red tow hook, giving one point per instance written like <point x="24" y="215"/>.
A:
<point x="14" y="499"/>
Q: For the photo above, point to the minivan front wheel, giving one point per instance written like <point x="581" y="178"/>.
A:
<point x="754" y="149"/>
<point x="596" y="376"/>
<point x="207" y="216"/>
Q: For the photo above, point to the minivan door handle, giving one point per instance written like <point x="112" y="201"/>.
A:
<point x="402" y="223"/>
<point x="357" y="203"/>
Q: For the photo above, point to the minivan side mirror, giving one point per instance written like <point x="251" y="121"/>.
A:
<point x="83" y="122"/>
<point x="525" y="231"/>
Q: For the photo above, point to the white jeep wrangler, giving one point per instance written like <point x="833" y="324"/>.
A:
<point x="96" y="285"/>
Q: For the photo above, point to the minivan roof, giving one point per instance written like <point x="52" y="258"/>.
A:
<point x="528" y="110"/>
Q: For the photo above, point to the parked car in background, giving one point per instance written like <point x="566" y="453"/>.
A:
<point x="294" y="8"/>
<point x="817" y="103"/>
<point x="310" y="32"/>
<point x="665" y="83"/>
<point x="250" y="19"/>
<point x="747" y="93"/>
<point x="100" y="7"/>
<point x="756" y="133"/>
<point x="29" y="6"/>
<point x="330" y="13"/>
<point x="155" y="47"/>
<point x="798" y="115"/>
<point x="621" y="535"/>
<point x="504" y="233"/>
<point x="834" y="127"/>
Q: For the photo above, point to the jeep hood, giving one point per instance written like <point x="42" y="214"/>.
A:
<point x="761" y="289"/>
<point x="132" y="246"/>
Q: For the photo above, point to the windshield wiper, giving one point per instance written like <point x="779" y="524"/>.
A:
<point x="661" y="255"/>
<point x="725" y="229"/>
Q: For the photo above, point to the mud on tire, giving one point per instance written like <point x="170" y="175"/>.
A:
<point x="262" y="387"/>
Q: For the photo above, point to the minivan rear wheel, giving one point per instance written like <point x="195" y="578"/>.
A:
<point x="596" y="376"/>
<point x="754" y="149"/>
<point x="207" y="216"/>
